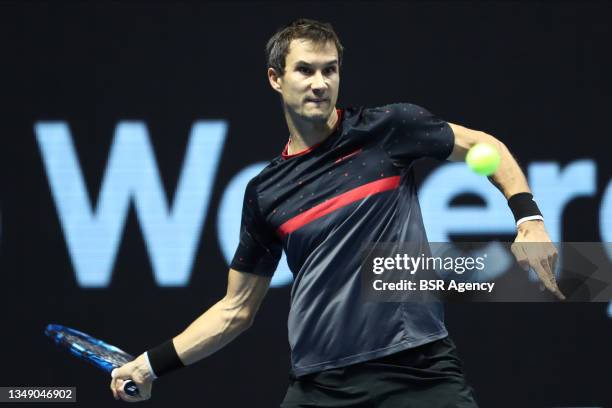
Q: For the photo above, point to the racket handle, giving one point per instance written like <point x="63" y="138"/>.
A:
<point x="130" y="388"/>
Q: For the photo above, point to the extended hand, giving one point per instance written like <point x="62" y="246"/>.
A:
<point x="138" y="371"/>
<point x="533" y="248"/>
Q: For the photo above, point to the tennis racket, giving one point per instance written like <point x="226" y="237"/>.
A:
<point x="88" y="348"/>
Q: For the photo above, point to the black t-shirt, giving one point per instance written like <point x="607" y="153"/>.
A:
<point x="323" y="206"/>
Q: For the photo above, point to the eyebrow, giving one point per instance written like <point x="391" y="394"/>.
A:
<point x="300" y="62"/>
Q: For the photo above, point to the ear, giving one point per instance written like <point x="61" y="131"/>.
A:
<point x="275" y="80"/>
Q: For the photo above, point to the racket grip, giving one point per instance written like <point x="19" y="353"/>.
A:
<point x="130" y="388"/>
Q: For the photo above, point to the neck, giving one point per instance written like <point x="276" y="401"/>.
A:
<point x="305" y="134"/>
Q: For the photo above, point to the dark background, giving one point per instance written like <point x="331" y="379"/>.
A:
<point x="536" y="75"/>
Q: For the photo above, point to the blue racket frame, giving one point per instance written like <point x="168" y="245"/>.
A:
<point x="60" y="335"/>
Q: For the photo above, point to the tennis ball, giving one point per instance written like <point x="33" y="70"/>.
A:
<point x="483" y="159"/>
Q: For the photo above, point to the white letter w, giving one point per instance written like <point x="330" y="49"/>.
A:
<point x="93" y="236"/>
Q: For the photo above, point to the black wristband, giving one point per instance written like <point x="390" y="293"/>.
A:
<point x="523" y="206"/>
<point x="164" y="359"/>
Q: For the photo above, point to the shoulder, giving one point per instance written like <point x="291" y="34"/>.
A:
<point x="404" y="110"/>
<point x="396" y="112"/>
<point x="255" y="183"/>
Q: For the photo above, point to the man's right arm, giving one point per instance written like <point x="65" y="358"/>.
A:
<point x="225" y="320"/>
<point x="219" y="325"/>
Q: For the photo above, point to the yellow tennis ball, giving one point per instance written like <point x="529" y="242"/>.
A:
<point x="483" y="159"/>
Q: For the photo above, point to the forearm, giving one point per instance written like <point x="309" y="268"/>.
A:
<point x="219" y="325"/>
<point x="207" y="334"/>
<point x="210" y="332"/>
<point x="508" y="178"/>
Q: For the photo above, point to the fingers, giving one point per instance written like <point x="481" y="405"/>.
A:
<point x="125" y="397"/>
<point x="521" y="256"/>
<point x="543" y="269"/>
<point x="542" y="257"/>
<point x="144" y="391"/>
<point x="117" y="383"/>
<point x="557" y="292"/>
<point x="549" y="263"/>
<point x="114" y="387"/>
<point x="552" y="260"/>
<point x="119" y="378"/>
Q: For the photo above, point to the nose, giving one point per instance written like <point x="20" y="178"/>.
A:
<point x="318" y="84"/>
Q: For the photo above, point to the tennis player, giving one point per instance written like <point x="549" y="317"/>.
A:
<point x="344" y="179"/>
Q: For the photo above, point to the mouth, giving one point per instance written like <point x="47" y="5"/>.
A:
<point x="317" y="100"/>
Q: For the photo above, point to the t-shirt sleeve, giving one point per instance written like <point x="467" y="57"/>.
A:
<point x="417" y="133"/>
<point x="259" y="249"/>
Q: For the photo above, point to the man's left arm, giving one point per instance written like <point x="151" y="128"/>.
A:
<point x="510" y="180"/>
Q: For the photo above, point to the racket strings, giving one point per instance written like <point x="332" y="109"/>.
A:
<point x="87" y="347"/>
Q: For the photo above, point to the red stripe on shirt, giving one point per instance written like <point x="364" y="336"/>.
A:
<point x="347" y="156"/>
<point x="344" y="199"/>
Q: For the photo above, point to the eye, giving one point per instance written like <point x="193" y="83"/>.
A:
<point x="304" y="70"/>
<point x="330" y="70"/>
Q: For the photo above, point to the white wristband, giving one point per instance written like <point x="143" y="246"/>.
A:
<point x="146" y="356"/>
<point x="530" y="218"/>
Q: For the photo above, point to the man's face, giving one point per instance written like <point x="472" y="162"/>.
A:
<point x="309" y="86"/>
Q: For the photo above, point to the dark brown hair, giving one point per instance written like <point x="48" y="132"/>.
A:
<point x="277" y="47"/>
